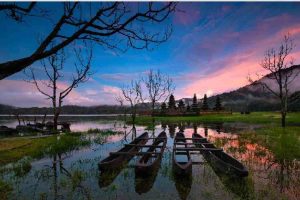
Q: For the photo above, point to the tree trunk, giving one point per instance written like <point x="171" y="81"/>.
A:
<point x="153" y="104"/>
<point x="55" y="120"/>
<point x="283" y="116"/>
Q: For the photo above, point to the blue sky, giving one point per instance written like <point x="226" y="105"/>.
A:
<point x="212" y="49"/>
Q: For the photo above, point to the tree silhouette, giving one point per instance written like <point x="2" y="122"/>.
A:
<point x="172" y="103"/>
<point x="133" y="95"/>
<point x="163" y="107"/>
<point x="53" y="67"/>
<point x="114" y="25"/>
<point x="205" y="104"/>
<point x="218" y="105"/>
<point x="159" y="86"/>
<point x="277" y="64"/>
<point x="181" y="105"/>
<point x="195" y="107"/>
<point x="188" y="108"/>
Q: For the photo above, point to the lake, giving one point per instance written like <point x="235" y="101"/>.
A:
<point x="74" y="174"/>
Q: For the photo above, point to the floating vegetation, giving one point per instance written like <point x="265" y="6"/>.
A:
<point x="77" y="177"/>
<point x="65" y="143"/>
<point x="5" y="189"/>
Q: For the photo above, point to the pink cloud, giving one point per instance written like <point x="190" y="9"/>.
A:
<point x="12" y="90"/>
<point x="230" y="72"/>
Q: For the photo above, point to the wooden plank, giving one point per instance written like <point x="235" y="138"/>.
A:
<point x="150" y="138"/>
<point x="140" y="145"/>
<point x="198" y="163"/>
<point x="183" y="143"/>
<point x="204" y="143"/>
<point x="135" y="153"/>
<point x="181" y="138"/>
<point x="197" y="149"/>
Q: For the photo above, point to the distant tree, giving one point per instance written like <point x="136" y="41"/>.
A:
<point x="188" y="107"/>
<point x="275" y="62"/>
<point x="172" y="103"/>
<point x="133" y="94"/>
<point x="115" y="25"/>
<point x="53" y="67"/>
<point x="195" y="107"/>
<point x="218" y="105"/>
<point x="159" y="86"/>
<point x="205" y="104"/>
<point x="120" y="99"/>
<point x="163" y="108"/>
<point x="181" y="105"/>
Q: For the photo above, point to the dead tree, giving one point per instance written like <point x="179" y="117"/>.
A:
<point x="114" y="25"/>
<point x="53" y="67"/>
<point x="159" y="87"/>
<point x="133" y="95"/>
<point x="120" y="99"/>
<point x="277" y="63"/>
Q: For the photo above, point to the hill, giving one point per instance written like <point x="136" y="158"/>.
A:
<point x="254" y="98"/>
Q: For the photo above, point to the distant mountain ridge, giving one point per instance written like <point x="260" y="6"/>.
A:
<point x="252" y="97"/>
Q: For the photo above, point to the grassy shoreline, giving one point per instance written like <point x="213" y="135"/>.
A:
<point x="255" y="117"/>
<point x="14" y="149"/>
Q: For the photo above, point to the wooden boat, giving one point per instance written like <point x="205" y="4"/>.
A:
<point x="220" y="160"/>
<point x="182" y="162"/>
<point x="148" y="162"/>
<point x="114" y="161"/>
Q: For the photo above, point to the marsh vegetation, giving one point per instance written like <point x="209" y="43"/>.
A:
<point x="66" y="166"/>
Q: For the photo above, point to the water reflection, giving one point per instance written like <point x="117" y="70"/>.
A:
<point x="273" y="175"/>
<point x="144" y="183"/>
<point x="183" y="185"/>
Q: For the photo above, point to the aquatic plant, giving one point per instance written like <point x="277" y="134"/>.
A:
<point x="65" y="143"/>
<point x="5" y="189"/>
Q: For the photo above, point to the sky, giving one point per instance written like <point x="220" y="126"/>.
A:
<point x="212" y="49"/>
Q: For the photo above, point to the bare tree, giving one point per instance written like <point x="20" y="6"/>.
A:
<point x="115" y="25"/>
<point x="120" y="99"/>
<point x="15" y="11"/>
<point x="159" y="87"/>
<point x="278" y="62"/>
<point x="53" y="67"/>
<point x="133" y="95"/>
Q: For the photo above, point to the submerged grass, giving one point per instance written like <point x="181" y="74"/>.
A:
<point x="5" y="189"/>
<point x="14" y="149"/>
<point x="283" y="142"/>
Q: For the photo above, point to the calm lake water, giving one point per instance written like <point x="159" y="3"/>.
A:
<point x="76" y="174"/>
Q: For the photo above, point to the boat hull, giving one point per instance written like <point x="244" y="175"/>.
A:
<point x="144" y="168"/>
<point x="221" y="161"/>
<point x="114" y="162"/>
<point x="181" y="168"/>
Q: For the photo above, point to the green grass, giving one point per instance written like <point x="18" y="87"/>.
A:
<point x="283" y="142"/>
<point x="255" y="117"/>
<point x="103" y="132"/>
<point x="5" y="189"/>
<point x="14" y="149"/>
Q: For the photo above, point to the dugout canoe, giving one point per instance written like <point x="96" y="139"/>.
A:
<point x="220" y="160"/>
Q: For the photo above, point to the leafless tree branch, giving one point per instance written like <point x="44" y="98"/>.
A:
<point x="111" y="22"/>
